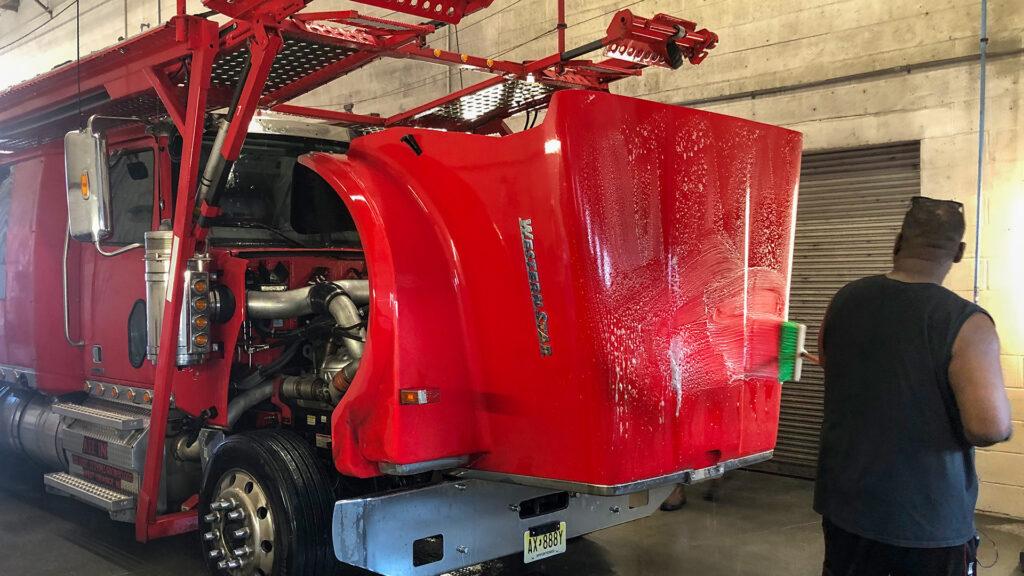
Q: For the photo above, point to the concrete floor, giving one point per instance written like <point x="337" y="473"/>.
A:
<point x="760" y="525"/>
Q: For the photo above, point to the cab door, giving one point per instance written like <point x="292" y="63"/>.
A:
<point x="113" y="296"/>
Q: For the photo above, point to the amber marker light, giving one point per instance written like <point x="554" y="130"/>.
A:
<point x="416" y="397"/>
<point x="85" y="185"/>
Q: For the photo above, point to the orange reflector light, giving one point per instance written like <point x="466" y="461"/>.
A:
<point x="201" y="340"/>
<point x="147" y="397"/>
<point x="408" y="397"/>
<point x="201" y="322"/>
<point x="85" y="185"/>
<point x="201" y="304"/>
<point x="200" y="286"/>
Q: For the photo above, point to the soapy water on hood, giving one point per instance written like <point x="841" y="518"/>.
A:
<point x="688" y="261"/>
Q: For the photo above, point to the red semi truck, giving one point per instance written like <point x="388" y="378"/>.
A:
<point x="409" y="343"/>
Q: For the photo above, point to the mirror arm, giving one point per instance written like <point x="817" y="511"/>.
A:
<point x="94" y="117"/>
<point x="117" y="252"/>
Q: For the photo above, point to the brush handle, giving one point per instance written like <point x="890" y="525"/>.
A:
<point x="811" y="357"/>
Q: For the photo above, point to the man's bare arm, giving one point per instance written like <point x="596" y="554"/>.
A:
<point x="977" y="381"/>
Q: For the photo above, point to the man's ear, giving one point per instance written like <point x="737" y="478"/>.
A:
<point x="960" y="253"/>
<point x="898" y="246"/>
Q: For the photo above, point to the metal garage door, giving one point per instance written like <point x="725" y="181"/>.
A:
<point x="851" y="207"/>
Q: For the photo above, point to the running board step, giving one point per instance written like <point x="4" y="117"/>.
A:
<point x="121" y="418"/>
<point x="119" y="505"/>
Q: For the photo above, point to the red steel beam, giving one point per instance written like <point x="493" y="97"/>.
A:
<point x="334" y="116"/>
<point x="438" y="56"/>
<point x="203" y="45"/>
<point x="168" y="96"/>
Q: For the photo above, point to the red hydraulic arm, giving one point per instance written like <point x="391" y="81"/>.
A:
<point x="660" y="41"/>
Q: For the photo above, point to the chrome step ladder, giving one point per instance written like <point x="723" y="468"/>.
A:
<point x="118" y="417"/>
<point x="104" y="440"/>
<point x="120" y="505"/>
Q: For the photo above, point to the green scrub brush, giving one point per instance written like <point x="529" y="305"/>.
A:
<point x="792" y="337"/>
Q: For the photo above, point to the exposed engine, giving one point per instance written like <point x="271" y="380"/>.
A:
<point x="319" y="356"/>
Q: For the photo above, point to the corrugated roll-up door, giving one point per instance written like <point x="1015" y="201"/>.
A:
<point x="850" y="209"/>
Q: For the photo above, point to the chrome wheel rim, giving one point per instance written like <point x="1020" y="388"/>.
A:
<point x="239" y="535"/>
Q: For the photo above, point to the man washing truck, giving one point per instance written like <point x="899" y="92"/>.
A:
<point x="912" y="385"/>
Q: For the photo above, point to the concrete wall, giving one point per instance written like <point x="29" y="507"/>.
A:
<point x="845" y="72"/>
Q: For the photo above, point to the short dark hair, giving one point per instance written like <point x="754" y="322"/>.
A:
<point x="933" y="227"/>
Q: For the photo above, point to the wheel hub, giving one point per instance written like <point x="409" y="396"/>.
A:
<point x="240" y="527"/>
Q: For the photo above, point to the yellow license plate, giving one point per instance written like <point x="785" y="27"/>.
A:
<point x="548" y="543"/>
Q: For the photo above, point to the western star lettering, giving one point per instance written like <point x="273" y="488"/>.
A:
<point x="533" y="277"/>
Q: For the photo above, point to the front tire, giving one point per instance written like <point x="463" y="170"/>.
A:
<point x="266" y="508"/>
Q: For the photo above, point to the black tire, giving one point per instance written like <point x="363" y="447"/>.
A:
<point x="297" y="489"/>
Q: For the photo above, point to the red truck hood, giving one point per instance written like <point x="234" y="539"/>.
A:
<point x="577" y="298"/>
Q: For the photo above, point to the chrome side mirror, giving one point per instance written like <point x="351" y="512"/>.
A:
<point x="85" y="163"/>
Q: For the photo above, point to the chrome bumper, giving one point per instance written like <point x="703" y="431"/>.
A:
<point x="475" y="520"/>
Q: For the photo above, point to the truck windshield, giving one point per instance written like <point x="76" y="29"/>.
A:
<point x="270" y="199"/>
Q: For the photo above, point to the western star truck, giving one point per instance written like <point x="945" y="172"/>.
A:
<point x="408" y="343"/>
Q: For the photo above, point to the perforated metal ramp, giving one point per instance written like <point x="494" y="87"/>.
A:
<point x="116" y="503"/>
<point x="500" y="101"/>
<point x="115" y="416"/>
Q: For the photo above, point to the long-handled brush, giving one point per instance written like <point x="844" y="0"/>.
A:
<point x="776" y="349"/>
<point x="792" y="337"/>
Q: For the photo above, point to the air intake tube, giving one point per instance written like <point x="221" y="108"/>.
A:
<point x="295" y="303"/>
<point x="332" y="299"/>
<point x="339" y="299"/>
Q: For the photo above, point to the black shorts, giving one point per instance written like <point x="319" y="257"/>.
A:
<point x="847" y="554"/>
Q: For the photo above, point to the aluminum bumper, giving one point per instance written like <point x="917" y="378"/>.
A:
<point x="683" y="477"/>
<point x="477" y="520"/>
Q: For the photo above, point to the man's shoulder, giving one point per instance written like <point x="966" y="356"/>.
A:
<point x="861" y="284"/>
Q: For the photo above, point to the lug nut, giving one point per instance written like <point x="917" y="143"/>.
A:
<point x="210" y="536"/>
<point x="222" y="565"/>
<point x="211" y="517"/>
<point x="215" y="553"/>
<point x="234" y="564"/>
<point x="236" y="515"/>
<point x="222" y="505"/>
<point x="240" y="552"/>
<point x="240" y="534"/>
